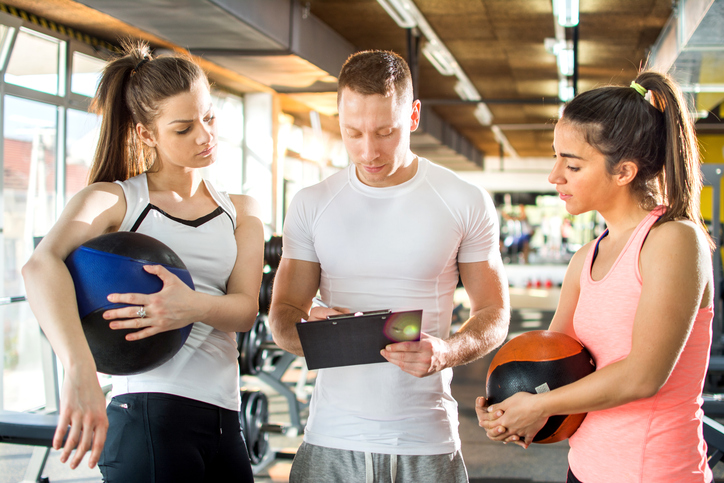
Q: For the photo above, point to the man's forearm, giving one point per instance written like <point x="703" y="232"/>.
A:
<point x="480" y="334"/>
<point x="282" y="320"/>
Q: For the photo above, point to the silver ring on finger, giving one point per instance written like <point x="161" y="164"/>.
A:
<point x="141" y="312"/>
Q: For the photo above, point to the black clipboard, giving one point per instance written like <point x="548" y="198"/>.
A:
<point x="351" y="339"/>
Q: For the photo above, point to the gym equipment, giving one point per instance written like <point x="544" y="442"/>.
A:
<point x="252" y="352"/>
<point x="27" y="428"/>
<point x="540" y="361"/>
<point x="254" y="417"/>
<point x="265" y="292"/>
<point x="113" y="263"/>
<point x="273" y="252"/>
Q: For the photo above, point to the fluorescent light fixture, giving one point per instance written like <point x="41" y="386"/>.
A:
<point x="406" y="14"/>
<point x="565" y="90"/>
<point x="566" y="12"/>
<point x="565" y="61"/>
<point x="563" y="50"/>
<point x="439" y="58"/>
<point x="400" y="12"/>
<point x="466" y="90"/>
<point x="483" y="114"/>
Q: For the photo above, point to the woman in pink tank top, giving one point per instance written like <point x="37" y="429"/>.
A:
<point x="639" y="297"/>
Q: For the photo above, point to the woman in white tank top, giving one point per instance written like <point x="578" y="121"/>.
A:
<point x="178" y="422"/>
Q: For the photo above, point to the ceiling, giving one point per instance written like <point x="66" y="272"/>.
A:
<point x="297" y="47"/>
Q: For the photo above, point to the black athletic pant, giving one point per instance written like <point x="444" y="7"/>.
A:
<point x="572" y="478"/>
<point x="159" y="438"/>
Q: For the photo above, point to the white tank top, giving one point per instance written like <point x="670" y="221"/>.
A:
<point x="206" y="367"/>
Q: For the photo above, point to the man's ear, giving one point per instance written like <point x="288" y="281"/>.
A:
<point x="146" y="136"/>
<point x="627" y="171"/>
<point x="415" y="117"/>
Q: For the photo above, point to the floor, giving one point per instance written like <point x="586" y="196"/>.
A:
<point x="487" y="462"/>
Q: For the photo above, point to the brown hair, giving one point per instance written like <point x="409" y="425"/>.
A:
<point x="376" y="72"/>
<point x="658" y="135"/>
<point x="131" y="89"/>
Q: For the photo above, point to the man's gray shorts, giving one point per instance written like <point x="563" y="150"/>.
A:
<point x="317" y="464"/>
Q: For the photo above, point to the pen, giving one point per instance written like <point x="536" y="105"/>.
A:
<point x="320" y="303"/>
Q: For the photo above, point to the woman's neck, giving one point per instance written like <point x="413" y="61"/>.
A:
<point x="184" y="183"/>
<point x="622" y="219"/>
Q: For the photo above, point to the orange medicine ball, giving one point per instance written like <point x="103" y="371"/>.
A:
<point x="540" y="361"/>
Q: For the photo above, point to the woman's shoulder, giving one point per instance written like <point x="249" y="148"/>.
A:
<point x="100" y="194"/>
<point x="246" y="205"/>
<point x="676" y="235"/>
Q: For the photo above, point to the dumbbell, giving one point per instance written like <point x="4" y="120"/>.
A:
<point x="254" y="420"/>
<point x="273" y="252"/>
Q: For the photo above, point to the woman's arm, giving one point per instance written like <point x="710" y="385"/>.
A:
<point x="562" y="322"/>
<point x="97" y="209"/>
<point x="238" y="311"/>
<point x="570" y="290"/>
<point x="676" y="271"/>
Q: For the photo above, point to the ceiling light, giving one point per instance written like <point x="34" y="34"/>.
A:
<point x="563" y="50"/>
<point x="483" y="114"/>
<point x="566" y="12"/>
<point x="406" y="14"/>
<point x="565" y="61"/>
<point x="439" y="58"/>
<point x="400" y="12"/>
<point x="565" y="89"/>
<point x="466" y="90"/>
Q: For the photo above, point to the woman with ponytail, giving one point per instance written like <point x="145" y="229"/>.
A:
<point x="178" y="422"/>
<point x="639" y="298"/>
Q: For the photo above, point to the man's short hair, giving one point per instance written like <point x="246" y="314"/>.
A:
<point x="376" y="72"/>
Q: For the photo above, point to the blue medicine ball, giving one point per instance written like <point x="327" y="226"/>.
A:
<point x="113" y="263"/>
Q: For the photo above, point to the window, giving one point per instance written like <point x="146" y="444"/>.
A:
<point x="226" y="173"/>
<point x="86" y="73"/>
<point x="82" y="131"/>
<point x="28" y="211"/>
<point x="36" y="63"/>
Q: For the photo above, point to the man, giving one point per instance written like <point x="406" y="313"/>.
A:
<point x="392" y="231"/>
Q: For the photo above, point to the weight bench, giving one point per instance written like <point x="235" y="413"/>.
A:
<point x="32" y="429"/>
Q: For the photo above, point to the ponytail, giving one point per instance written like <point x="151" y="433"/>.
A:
<point x="647" y="123"/>
<point x="130" y="92"/>
<point x="680" y="177"/>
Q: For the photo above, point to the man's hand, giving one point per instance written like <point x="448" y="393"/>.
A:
<point x="321" y="313"/>
<point x="420" y="358"/>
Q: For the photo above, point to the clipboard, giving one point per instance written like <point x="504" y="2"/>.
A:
<point x="352" y="339"/>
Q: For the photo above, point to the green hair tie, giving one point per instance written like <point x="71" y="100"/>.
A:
<point x="639" y="88"/>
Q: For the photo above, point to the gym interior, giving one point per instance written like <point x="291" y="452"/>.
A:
<point x="491" y="76"/>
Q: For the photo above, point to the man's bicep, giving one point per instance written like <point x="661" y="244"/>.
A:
<point x="485" y="283"/>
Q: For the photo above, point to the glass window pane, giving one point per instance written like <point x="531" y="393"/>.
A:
<point x="86" y="74"/>
<point x="29" y="182"/>
<point x="23" y="387"/>
<point x="260" y="187"/>
<point x="226" y="173"/>
<point x="35" y="62"/>
<point x="83" y="129"/>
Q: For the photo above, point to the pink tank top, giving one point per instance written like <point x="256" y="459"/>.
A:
<point x="654" y="439"/>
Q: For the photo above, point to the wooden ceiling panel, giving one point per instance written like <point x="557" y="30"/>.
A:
<point x="499" y="45"/>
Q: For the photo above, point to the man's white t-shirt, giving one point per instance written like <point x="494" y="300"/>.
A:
<point x="389" y="248"/>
